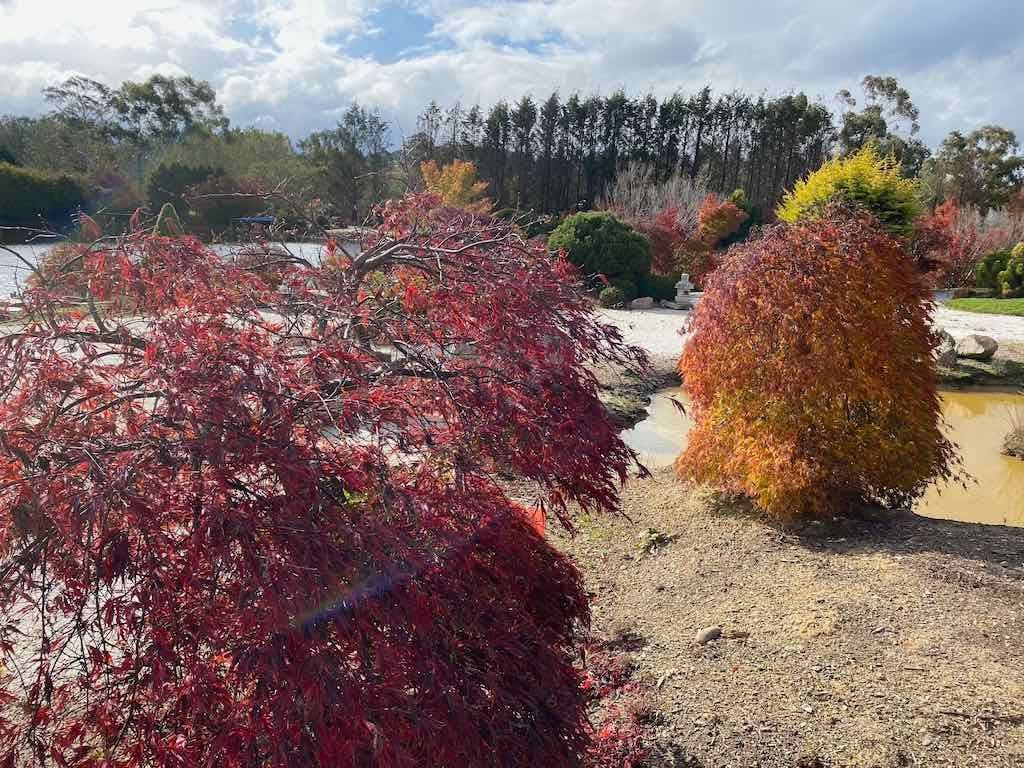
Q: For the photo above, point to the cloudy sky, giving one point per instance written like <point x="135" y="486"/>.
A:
<point x="294" y="65"/>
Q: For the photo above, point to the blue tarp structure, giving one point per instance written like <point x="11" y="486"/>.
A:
<point x="268" y="220"/>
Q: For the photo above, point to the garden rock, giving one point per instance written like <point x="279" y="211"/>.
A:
<point x="945" y="353"/>
<point x="644" y="302"/>
<point x="673" y="305"/>
<point x="977" y="347"/>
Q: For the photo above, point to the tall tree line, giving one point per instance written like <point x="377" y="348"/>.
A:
<point x="560" y="153"/>
<point x="551" y="155"/>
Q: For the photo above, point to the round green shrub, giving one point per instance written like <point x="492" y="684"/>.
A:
<point x="660" y="286"/>
<point x="612" y="296"/>
<point x="170" y="183"/>
<point x="600" y="244"/>
<point x="1011" y="278"/>
<point x="989" y="269"/>
<point x="628" y="287"/>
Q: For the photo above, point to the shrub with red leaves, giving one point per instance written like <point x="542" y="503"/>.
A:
<point x="951" y="242"/>
<point x="247" y="527"/>
<point x="621" y="735"/>
<point x="619" y="742"/>
<point x="665" y="234"/>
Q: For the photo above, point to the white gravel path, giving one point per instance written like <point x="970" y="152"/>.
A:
<point x="660" y="331"/>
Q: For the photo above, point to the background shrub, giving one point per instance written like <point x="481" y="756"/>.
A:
<point x="864" y="179"/>
<point x="990" y="267"/>
<point x="170" y="182"/>
<point x="1011" y="278"/>
<point x="660" y="286"/>
<point x="219" y="200"/>
<point x="598" y="243"/>
<point x="612" y="296"/>
<point x="28" y="195"/>
<point x="664" y="234"/>
<point x="753" y="218"/>
<point x="457" y="184"/>
<point x="720" y="219"/>
<point x="810" y="371"/>
<point x="629" y="288"/>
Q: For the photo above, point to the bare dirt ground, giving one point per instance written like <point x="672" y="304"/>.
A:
<point x="890" y="640"/>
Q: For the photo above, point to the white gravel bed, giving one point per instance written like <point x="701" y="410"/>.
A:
<point x="999" y="327"/>
<point x="661" y="331"/>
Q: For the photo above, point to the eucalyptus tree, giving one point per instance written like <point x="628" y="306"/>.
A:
<point x="889" y="118"/>
<point x="982" y="168"/>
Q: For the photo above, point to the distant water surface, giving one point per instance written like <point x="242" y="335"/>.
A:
<point x="14" y="272"/>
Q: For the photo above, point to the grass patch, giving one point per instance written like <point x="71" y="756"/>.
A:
<point x="1013" y="444"/>
<point x="989" y="306"/>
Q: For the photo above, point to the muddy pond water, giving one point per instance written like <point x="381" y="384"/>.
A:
<point x="978" y="422"/>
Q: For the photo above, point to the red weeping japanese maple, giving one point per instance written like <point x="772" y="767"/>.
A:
<point x="242" y="526"/>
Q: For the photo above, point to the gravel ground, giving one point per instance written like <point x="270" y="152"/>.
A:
<point x="872" y="643"/>
<point x="883" y="642"/>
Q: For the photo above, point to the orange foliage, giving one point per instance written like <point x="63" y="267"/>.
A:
<point x="811" y="375"/>
<point x="456" y="184"/>
<point x="717" y="220"/>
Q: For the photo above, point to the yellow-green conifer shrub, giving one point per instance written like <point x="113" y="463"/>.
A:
<point x="865" y="179"/>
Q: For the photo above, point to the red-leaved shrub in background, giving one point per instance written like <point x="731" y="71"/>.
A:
<point x="665" y="234"/>
<point x="932" y="246"/>
<point x="247" y="527"/>
<point x="951" y="242"/>
<point x="810" y="372"/>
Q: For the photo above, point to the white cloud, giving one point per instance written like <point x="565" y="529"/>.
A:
<point x="291" y="63"/>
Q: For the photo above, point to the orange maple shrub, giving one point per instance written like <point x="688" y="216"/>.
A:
<point x="717" y="220"/>
<point x="811" y="375"/>
<point x="457" y="185"/>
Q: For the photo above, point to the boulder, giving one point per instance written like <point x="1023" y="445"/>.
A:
<point x="976" y="347"/>
<point x="672" y="305"/>
<point x="644" y="302"/>
<point x="945" y="353"/>
<point x="708" y="634"/>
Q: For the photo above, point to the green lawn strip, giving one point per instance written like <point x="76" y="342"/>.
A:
<point x="989" y="306"/>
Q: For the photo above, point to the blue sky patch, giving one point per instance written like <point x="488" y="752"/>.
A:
<point x="399" y="31"/>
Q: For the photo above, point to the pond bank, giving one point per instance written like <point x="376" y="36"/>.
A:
<point x="976" y="420"/>
<point x="889" y="640"/>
